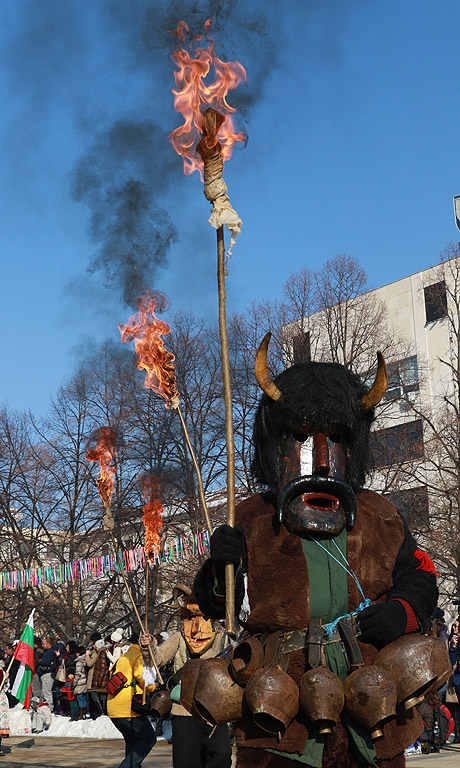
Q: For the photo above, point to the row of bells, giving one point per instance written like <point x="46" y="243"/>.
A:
<point x="227" y="690"/>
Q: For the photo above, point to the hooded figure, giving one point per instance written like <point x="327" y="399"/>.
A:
<point x="313" y="549"/>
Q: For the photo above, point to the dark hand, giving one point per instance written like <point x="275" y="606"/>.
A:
<point x="382" y="623"/>
<point x="227" y="544"/>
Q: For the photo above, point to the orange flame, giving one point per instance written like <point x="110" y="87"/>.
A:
<point x="104" y="452"/>
<point x="153" y="513"/>
<point x="193" y="95"/>
<point x="146" y="330"/>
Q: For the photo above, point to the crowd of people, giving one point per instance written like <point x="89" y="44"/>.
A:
<point x="71" y="680"/>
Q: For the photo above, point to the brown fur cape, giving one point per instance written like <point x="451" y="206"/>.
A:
<point x="278" y="590"/>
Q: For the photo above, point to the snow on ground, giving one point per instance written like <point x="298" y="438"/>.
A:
<point x="102" y="728"/>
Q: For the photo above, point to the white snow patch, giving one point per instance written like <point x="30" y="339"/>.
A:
<point x="19" y="721"/>
<point x="102" y="728"/>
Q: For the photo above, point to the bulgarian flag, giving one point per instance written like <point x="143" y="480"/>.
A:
<point x="24" y="652"/>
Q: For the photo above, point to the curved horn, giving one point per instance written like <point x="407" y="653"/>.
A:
<point x="263" y="377"/>
<point x="379" y="386"/>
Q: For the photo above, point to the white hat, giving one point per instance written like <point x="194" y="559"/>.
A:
<point x="99" y="644"/>
<point x="116" y="636"/>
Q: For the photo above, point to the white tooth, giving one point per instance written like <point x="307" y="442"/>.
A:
<point x="306" y="456"/>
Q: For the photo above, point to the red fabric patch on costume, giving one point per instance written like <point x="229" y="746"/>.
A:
<point x="425" y="563"/>
<point x="412" y="624"/>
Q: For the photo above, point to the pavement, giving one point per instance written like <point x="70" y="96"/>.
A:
<point x="448" y="757"/>
<point x="61" y="752"/>
<point x="48" y="752"/>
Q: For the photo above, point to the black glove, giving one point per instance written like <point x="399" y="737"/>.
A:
<point x="382" y="623"/>
<point x="227" y="546"/>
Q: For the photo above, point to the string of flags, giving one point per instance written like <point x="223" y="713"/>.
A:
<point x="105" y="565"/>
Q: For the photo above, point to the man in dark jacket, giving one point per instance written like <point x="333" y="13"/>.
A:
<point x="47" y="667"/>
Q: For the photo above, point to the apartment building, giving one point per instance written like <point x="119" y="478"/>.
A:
<point x="422" y="319"/>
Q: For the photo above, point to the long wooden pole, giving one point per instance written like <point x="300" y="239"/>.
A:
<point x="108" y="523"/>
<point x="146" y="614"/>
<point x="197" y="471"/>
<point x="229" y="570"/>
<point x="215" y="189"/>
<point x="5" y="673"/>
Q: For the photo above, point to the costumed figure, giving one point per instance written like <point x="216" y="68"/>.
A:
<point x="327" y="575"/>
<point x="195" y="744"/>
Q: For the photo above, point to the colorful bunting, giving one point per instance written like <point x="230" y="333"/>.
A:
<point x="105" y="565"/>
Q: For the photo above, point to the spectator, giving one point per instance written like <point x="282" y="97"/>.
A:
<point x="119" y="647"/>
<point x="47" y="668"/>
<point x="136" y="729"/>
<point x="11" y="671"/>
<point x="60" y="706"/>
<point x="71" y="697"/>
<point x="98" y="676"/>
<point x="70" y="657"/>
<point x="438" y="624"/>
<point x="79" y="683"/>
<point x="36" y="689"/>
<point x="453" y="686"/>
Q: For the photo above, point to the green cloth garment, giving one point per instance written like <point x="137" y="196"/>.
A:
<point x="329" y="600"/>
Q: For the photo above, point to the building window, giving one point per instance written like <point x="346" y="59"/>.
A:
<point x="402" y="378"/>
<point x="397" y="444"/>
<point x="412" y="503"/>
<point x="435" y="301"/>
<point x="301" y="347"/>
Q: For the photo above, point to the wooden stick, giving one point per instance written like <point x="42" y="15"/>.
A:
<point x="108" y="513"/>
<point x="146" y="619"/>
<point x="210" y="152"/>
<point x="229" y="569"/>
<point x="5" y="673"/>
<point x="197" y="471"/>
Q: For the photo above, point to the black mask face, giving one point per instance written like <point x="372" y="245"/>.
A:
<point x="314" y="496"/>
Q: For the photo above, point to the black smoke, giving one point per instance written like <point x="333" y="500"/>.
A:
<point x="121" y="178"/>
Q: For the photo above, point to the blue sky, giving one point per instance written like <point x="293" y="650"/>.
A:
<point x="352" y="114"/>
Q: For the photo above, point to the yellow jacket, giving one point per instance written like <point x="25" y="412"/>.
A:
<point x="131" y="665"/>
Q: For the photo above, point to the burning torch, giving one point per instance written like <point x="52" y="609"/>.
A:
<point x="218" y="136"/>
<point x="104" y="452"/>
<point x="146" y="329"/>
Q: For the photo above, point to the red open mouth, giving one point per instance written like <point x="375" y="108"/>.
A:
<point x="321" y="501"/>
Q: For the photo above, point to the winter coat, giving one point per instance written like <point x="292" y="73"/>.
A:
<point x="98" y="675"/>
<point x="49" y="662"/>
<point x="131" y="665"/>
<point x="70" y="663"/>
<point x="38" y="653"/>
<point x="79" y="680"/>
